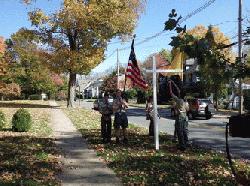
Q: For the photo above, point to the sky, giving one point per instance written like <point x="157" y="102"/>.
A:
<point x="222" y="13"/>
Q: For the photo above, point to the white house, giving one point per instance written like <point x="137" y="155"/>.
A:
<point x="92" y="90"/>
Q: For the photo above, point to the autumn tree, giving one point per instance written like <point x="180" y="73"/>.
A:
<point x="27" y="66"/>
<point x="214" y="63"/>
<point x="210" y="48"/>
<point x="110" y="80"/>
<point x="7" y="89"/>
<point x="77" y="34"/>
<point x="3" y="67"/>
<point x="2" y="62"/>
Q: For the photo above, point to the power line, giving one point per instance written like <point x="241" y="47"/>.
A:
<point x="138" y="40"/>
<point x="196" y="11"/>
<point x="110" y="55"/>
<point x="144" y="41"/>
<point x="207" y="4"/>
<point x="221" y="23"/>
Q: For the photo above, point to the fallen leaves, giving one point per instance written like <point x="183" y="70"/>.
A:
<point x="28" y="158"/>
<point x="137" y="163"/>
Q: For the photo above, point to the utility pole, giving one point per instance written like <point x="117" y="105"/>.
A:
<point x="118" y="68"/>
<point x="156" y="128"/>
<point x="240" y="54"/>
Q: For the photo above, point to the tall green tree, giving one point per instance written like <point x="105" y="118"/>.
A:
<point x="77" y="34"/>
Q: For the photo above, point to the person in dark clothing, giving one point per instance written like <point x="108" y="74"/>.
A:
<point x="149" y="114"/>
<point x="105" y="109"/>
<point x="121" y="119"/>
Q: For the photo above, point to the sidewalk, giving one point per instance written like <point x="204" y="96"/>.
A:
<point x="81" y="166"/>
<point x="225" y="113"/>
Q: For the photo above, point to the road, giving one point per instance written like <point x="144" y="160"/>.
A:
<point x="207" y="133"/>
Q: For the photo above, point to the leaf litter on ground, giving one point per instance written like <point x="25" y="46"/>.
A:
<point x="137" y="163"/>
<point x="28" y="158"/>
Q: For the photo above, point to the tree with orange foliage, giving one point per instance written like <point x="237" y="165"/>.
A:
<point x="11" y="89"/>
<point x="2" y="62"/>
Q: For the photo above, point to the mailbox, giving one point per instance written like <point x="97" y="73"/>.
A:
<point x="239" y="126"/>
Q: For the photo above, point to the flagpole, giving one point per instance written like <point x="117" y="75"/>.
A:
<point x="240" y="54"/>
<point x="118" y="68"/>
<point x="125" y="84"/>
<point x="156" y="130"/>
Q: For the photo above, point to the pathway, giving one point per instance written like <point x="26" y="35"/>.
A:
<point x="81" y="166"/>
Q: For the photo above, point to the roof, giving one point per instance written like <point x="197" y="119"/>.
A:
<point x="176" y="64"/>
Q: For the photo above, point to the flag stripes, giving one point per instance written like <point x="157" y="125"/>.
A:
<point x="133" y="71"/>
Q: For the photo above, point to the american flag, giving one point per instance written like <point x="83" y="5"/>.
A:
<point x="133" y="71"/>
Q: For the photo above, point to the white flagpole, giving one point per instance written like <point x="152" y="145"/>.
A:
<point x="156" y="130"/>
<point x="118" y="69"/>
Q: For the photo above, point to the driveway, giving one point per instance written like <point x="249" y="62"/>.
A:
<point x="208" y="133"/>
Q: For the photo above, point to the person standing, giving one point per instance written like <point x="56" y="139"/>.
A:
<point x="121" y="119"/>
<point x="175" y="115"/>
<point x="181" y="117"/>
<point x="149" y="114"/>
<point x="105" y="109"/>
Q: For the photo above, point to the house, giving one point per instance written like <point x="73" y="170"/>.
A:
<point x="88" y="86"/>
<point x="190" y="72"/>
<point x="93" y="89"/>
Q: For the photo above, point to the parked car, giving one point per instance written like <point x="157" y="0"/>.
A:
<point x="97" y="101"/>
<point x="198" y="107"/>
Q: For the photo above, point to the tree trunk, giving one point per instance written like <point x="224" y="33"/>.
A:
<point x="71" y="90"/>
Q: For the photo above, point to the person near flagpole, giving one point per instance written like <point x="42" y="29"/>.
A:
<point x="150" y="115"/>
<point x="121" y="119"/>
<point x="106" y="111"/>
<point x="181" y="118"/>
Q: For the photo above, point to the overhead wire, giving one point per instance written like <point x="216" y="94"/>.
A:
<point x="221" y="23"/>
<point x="196" y="11"/>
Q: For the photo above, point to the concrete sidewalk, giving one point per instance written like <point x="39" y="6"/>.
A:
<point x="81" y="166"/>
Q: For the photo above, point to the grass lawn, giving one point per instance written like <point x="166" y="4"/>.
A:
<point x="137" y="163"/>
<point x="28" y="158"/>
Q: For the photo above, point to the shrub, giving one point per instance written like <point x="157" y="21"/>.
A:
<point x="141" y="96"/>
<point x="2" y="120"/>
<point x="35" y="97"/>
<point x="131" y="94"/>
<point x="21" y="121"/>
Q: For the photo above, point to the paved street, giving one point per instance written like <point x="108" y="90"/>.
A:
<point x="209" y="133"/>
